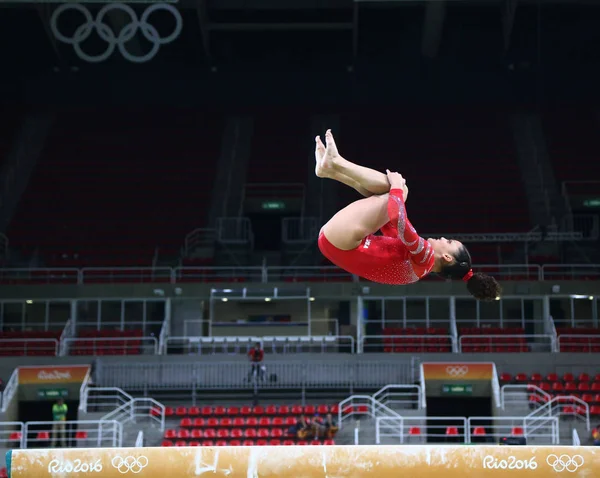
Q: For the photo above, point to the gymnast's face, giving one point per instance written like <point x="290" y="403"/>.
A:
<point x="445" y="249"/>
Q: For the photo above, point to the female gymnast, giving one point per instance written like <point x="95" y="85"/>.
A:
<point x="400" y="255"/>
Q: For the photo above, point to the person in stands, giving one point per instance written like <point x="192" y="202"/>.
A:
<point x="596" y="436"/>
<point x="330" y="426"/>
<point x="59" y="417"/>
<point x="302" y="428"/>
<point x="256" y="356"/>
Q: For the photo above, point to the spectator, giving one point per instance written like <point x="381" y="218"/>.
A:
<point x="330" y="426"/>
<point x="59" y="417"/>
<point x="596" y="436"/>
<point x="317" y="427"/>
<point x="256" y="356"/>
<point x="302" y="428"/>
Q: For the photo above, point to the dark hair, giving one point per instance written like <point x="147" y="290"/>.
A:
<point x="481" y="286"/>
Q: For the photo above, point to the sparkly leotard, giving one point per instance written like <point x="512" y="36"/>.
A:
<point x="400" y="256"/>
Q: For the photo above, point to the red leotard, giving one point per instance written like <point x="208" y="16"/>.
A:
<point x="400" y="256"/>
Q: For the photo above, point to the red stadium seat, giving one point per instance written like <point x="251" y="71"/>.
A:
<point x="194" y="443"/>
<point x="170" y="434"/>
<point x="185" y="422"/>
<point x="479" y="431"/>
<point x="81" y="435"/>
<point x="414" y="431"/>
<point x="235" y="443"/>
<point x="181" y="411"/>
<point x="517" y="432"/>
<point x="166" y="443"/>
<point x="452" y="431"/>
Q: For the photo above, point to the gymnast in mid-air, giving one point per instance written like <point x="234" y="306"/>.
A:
<point x="399" y="255"/>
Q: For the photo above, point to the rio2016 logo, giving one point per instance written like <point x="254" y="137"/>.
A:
<point x="510" y="463"/>
<point x="75" y="466"/>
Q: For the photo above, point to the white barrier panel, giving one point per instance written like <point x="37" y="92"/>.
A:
<point x="309" y="462"/>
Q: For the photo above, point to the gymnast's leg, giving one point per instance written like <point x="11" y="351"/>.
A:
<point x="351" y="225"/>
<point x="329" y="164"/>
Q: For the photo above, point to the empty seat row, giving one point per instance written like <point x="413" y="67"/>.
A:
<point x="491" y="331"/>
<point x="184" y="434"/>
<point x="261" y="442"/>
<point x="551" y="377"/>
<point x="282" y="410"/>
<point x="200" y="422"/>
<point x="415" y="331"/>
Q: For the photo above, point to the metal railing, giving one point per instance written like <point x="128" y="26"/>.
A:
<point x="139" y="440"/>
<point x="513" y="394"/>
<point x="506" y="343"/>
<point x="408" y="343"/>
<point x="84" y="433"/>
<point x="111" y="346"/>
<point x="273" y="345"/>
<point x="575" y="437"/>
<point x="399" y="396"/>
<point x="95" y="275"/>
<point x="564" y="405"/>
<point x="544" y="428"/>
<point x="11" y="434"/>
<point x="397" y="428"/>
<point x="26" y="346"/>
<point x="234" y="375"/>
<point x="10" y="390"/>
<point x="364" y="405"/>
<point x="121" y="406"/>
<point x="579" y="343"/>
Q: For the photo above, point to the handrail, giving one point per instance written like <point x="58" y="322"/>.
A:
<point x="10" y="390"/>
<point x="139" y="441"/>
<point x="399" y="424"/>
<point x="117" y="438"/>
<point x="528" y="430"/>
<point x="383" y="393"/>
<point x="25" y="341"/>
<point x="249" y="341"/>
<point x="373" y="407"/>
<point x="107" y="340"/>
<point x="578" y="340"/>
<point x="575" y="437"/>
<point x="91" y="275"/>
<point x="496" y="386"/>
<point x="550" y="329"/>
<point x="504" y="340"/>
<point x="562" y="401"/>
<point x="546" y="397"/>
<point x="408" y="340"/>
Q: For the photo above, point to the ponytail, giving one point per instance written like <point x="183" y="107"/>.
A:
<point x="480" y="286"/>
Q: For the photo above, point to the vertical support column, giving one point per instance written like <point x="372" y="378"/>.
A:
<point x="308" y="311"/>
<point x="359" y="324"/>
<point x="453" y="327"/>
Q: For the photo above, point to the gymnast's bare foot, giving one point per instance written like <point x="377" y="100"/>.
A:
<point x="325" y="157"/>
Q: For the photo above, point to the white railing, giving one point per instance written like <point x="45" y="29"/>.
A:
<point x="496" y="387"/>
<point x="571" y="272"/>
<point x="121" y="406"/>
<point x="506" y="343"/>
<point x="399" y="396"/>
<point x="575" y="438"/>
<point x="85" y="433"/>
<point x="520" y="395"/>
<point x="199" y="238"/>
<point x="361" y="405"/>
<point x="9" y="391"/>
<point x="235" y="345"/>
<point x="408" y="343"/>
<point x="397" y="428"/>
<point x="579" y="343"/>
<point x="11" y="434"/>
<point x="68" y="332"/>
<point x="164" y="334"/>
<point x="550" y="329"/>
<point x="26" y="346"/>
<point x="539" y="428"/>
<point x="564" y="405"/>
<point x="94" y="275"/>
<point x="139" y="440"/>
<point x="111" y="346"/>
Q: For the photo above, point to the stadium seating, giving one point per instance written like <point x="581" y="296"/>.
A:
<point x="583" y="386"/>
<point x="588" y="340"/>
<point x="572" y="138"/>
<point x="281" y="147"/>
<point x="234" y="426"/>
<point x="106" y="342"/>
<point x="113" y="185"/>
<point x="449" y="158"/>
<point x="415" y="340"/>
<point x="27" y="343"/>
<point x="485" y="344"/>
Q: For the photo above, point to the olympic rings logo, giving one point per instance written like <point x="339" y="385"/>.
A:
<point x="457" y="370"/>
<point x="128" y="464"/>
<point x="565" y="462"/>
<point x="106" y="33"/>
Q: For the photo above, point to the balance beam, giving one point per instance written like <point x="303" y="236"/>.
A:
<point x="448" y="461"/>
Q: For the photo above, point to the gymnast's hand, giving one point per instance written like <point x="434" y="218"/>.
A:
<point x="397" y="182"/>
